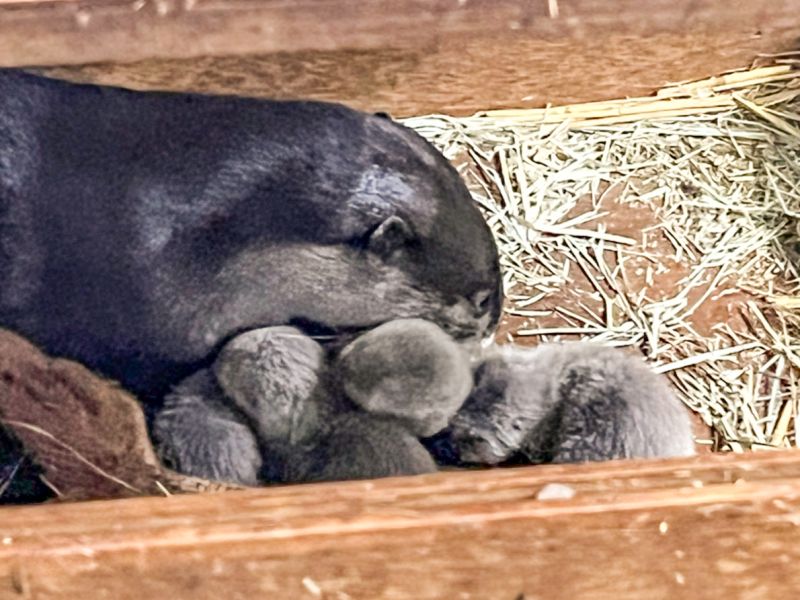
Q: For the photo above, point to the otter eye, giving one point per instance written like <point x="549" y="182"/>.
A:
<point x="481" y="299"/>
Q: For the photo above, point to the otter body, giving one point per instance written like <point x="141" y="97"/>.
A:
<point x="565" y="403"/>
<point x="140" y="231"/>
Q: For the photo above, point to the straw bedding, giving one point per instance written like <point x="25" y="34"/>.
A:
<point x="666" y="224"/>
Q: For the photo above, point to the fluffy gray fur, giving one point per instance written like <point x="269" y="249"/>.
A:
<point x="360" y="446"/>
<point x="265" y="390"/>
<point x="275" y="376"/>
<point x="197" y="433"/>
<point x="568" y="403"/>
<point x="408" y="369"/>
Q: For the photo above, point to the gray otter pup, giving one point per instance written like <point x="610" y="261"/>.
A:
<point x="274" y="387"/>
<point x="265" y="390"/>
<point x="140" y="231"/>
<point x="407" y="369"/>
<point x="568" y="403"/>
<point x="360" y="446"/>
<point x="196" y="433"/>
<point x="275" y="376"/>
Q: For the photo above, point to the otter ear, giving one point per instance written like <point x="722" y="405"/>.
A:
<point x="391" y="235"/>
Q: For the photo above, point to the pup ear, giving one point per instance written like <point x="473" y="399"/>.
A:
<point x="390" y="236"/>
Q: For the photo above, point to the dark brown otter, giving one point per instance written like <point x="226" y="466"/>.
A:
<point x="140" y="231"/>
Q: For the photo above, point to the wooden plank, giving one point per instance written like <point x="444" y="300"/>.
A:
<point x="81" y="31"/>
<point x="455" y="79"/>
<point x="403" y="56"/>
<point x="710" y="527"/>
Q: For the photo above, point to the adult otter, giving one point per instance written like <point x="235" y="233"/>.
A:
<point x="139" y="231"/>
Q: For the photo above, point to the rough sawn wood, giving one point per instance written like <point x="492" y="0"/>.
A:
<point x="710" y="527"/>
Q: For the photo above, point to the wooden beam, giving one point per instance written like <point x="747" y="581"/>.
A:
<point x="403" y="56"/>
<point x="453" y="79"/>
<point x="83" y="31"/>
<point x="710" y="527"/>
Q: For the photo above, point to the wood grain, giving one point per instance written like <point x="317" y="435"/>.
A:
<point x="402" y="56"/>
<point x="81" y="31"/>
<point x="710" y="527"/>
<point x="454" y="79"/>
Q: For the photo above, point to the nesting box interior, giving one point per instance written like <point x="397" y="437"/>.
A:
<point x="639" y="165"/>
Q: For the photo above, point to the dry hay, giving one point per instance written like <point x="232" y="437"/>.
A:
<point x="667" y="224"/>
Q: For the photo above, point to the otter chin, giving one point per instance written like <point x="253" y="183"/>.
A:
<point x="141" y="231"/>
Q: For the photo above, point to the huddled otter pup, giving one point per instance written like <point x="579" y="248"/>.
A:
<point x="275" y="377"/>
<point x="198" y="433"/>
<point x="408" y="370"/>
<point x="362" y="446"/>
<point x="568" y="402"/>
<point x="360" y="413"/>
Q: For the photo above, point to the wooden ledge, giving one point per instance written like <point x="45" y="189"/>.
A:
<point x="716" y="526"/>
<point x="82" y="31"/>
<point x="406" y="57"/>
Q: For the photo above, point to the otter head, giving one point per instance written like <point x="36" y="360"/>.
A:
<point x="381" y="228"/>
<point x="416" y="230"/>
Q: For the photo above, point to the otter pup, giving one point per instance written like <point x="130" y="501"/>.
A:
<point x="197" y="433"/>
<point x="409" y="370"/>
<point x="360" y="446"/>
<point x="561" y="403"/>
<point x="275" y="377"/>
<point x="261" y="401"/>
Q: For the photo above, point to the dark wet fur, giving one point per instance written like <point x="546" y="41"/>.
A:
<point x="140" y="231"/>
